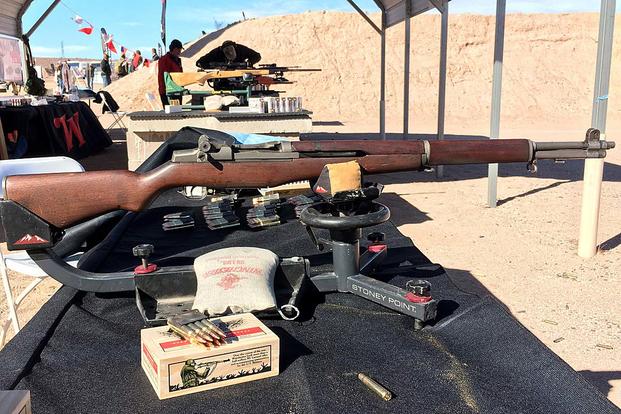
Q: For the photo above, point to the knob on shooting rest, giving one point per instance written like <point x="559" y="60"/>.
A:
<point x="376" y="237"/>
<point x="418" y="291"/>
<point x="377" y="242"/>
<point x="143" y="251"/>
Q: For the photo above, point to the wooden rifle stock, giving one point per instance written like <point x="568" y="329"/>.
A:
<point x="189" y="78"/>
<point x="65" y="199"/>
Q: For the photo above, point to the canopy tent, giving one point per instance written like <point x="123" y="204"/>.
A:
<point x="397" y="11"/>
<point x="11" y="12"/>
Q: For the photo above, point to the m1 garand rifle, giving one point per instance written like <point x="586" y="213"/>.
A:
<point x="58" y="201"/>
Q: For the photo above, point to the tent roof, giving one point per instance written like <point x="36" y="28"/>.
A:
<point x="11" y="12"/>
<point x="395" y="9"/>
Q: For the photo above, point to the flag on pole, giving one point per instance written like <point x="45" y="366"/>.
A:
<point x="163" y="23"/>
<point x="110" y="45"/>
<point x="104" y="37"/>
<point x="86" y="30"/>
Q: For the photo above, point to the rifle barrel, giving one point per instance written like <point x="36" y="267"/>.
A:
<point x="547" y="146"/>
<point x="300" y="70"/>
<point x="569" y="154"/>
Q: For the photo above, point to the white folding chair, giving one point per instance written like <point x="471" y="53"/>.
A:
<point x="153" y="103"/>
<point x="20" y="261"/>
<point x="117" y="115"/>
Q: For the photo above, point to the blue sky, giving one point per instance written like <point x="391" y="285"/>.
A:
<point x="135" y="23"/>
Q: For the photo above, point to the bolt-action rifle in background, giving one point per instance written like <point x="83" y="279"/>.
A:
<point x="238" y="71"/>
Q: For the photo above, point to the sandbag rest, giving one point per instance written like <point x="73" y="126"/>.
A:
<point x="170" y="292"/>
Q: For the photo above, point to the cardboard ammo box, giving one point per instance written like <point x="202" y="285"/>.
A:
<point x="176" y="367"/>
<point x="15" y="402"/>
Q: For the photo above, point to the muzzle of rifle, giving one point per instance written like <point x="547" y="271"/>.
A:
<point x="571" y="150"/>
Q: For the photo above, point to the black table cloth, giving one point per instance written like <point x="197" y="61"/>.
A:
<point x="81" y="352"/>
<point x="69" y="128"/>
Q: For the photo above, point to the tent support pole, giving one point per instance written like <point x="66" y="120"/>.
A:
<point x="594" y="168"/>
<point x="492" y="169"/>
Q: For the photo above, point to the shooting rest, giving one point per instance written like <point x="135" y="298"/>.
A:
<point x="171" y="290"/>
<point x="177" y="91"/>
<point x="242" y="82"/>
<point x="351" y="274"/>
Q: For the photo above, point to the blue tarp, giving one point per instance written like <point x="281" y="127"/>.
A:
<point x="250" y="139"/>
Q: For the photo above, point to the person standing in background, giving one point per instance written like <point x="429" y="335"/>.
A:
<point x="91" y="75"/>
<point x="170" y="62"/>
<point x="106" y="71"/>
<point x="2" y="68"/>
<point x="137" y="60"/>
<point x="67" y="77"/>
<point x="230" y="53"/>
<point x="121" y="66"/>
<point x="59" y="78"/>
<point x="154" y="55"/>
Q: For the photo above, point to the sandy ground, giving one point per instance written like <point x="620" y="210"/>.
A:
<point x="524" y="251"/>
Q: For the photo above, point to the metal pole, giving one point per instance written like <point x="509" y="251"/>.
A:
<point x="364" y="16"/>
<point x="492" y="172"/>
<point x="594" y="168"/>
<point x="42" y="18"/>
<point x="163" y="23"/>
<point x="20" y="15"/>
<point x="406" y="70"/>
<point x="383" y="79"/>
<point x="442" y="79"/>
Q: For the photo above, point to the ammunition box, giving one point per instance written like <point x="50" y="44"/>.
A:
<point x="15" y="402"/>
<point x="177" y="367"/>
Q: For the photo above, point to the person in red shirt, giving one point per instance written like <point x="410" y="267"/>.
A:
<point x="137" y="60"/>
<point x="170" y="62"/>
